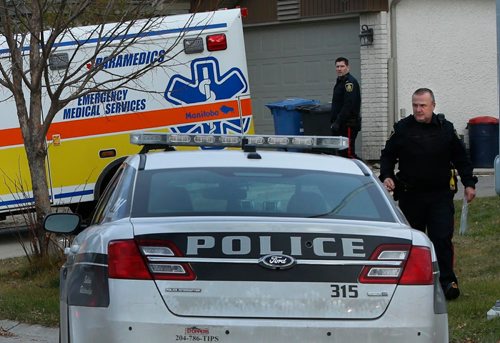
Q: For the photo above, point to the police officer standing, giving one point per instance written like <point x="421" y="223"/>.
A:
<point x="346" y="106"/>
<point x="426" y="147"/>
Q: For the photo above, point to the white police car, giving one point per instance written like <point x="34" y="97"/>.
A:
<point x="247" y="245"/>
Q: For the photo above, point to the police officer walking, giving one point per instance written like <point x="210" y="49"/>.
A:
<point x="427" y="147"/>
<point x="346" y="106"/>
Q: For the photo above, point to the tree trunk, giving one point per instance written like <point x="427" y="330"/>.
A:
<point x="36" y="153"/>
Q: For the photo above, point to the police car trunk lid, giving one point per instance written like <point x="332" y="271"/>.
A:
<point x="270" y="269"/>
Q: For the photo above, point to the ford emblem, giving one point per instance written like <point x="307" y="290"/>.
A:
<point x="276" y="261"/>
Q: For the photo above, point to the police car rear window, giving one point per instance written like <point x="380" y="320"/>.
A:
<point x="258" y="192"/>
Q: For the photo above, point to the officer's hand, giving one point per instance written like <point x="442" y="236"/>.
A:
<point x="389" y="184"/>
<point x="335" y="128"/>
<point x="469" y="193"/>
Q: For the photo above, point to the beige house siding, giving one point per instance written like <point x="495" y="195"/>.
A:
<point x="450" y="47"/>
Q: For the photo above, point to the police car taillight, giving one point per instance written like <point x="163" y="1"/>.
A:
<point x="125" y="261"/>
<point x="399" y="264"/>
<point x="129" y="259"/>
<point x="160" y="256"/>
<point x="220" y="140"/>
<point x="216" y="42"/>
<point x="418" y="268"/>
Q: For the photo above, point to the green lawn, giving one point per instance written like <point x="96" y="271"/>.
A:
<point x="477" y="265"/>
<point x="30" y="293"/>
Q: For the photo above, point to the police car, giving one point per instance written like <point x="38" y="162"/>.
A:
<point x="247" y="245"/>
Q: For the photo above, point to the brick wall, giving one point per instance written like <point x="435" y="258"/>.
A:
<point x="374" y="85"/>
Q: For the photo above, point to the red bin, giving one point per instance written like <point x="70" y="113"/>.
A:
<point x="483" y="141"/>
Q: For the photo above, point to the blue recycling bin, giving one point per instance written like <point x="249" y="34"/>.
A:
<point x="287" y="118"/>
<point x="483" y="141"/>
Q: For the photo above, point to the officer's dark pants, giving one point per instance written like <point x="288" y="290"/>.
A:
<point x="351" y="134"/>
<point x="433" y="212"/>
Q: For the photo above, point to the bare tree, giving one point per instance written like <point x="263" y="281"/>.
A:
<point x="33" y="31"/>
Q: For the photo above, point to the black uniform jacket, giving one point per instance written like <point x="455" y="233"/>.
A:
<point x="425" y="153"/>
<point x="346" y="102"/>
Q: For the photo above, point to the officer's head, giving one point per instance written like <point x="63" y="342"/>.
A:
<point x="423" y="103"/>
<point x="341" y="66"/>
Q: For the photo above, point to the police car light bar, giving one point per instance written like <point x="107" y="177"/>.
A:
<point x="262" y="141"/>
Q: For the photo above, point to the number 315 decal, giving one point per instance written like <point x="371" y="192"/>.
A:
<point x="344" y="291"/>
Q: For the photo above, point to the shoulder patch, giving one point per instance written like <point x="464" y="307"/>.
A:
<point x="349" y="87"/>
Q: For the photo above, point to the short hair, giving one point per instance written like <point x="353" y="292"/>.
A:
<point x="342" y="59"/>
<point x="421" y="91"/>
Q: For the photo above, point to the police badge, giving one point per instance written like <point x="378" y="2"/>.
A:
<point x="349" y="87"/>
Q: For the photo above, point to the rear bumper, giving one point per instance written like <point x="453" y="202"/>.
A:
<point x="259" y="331"/>
<point x="144" y="317"/>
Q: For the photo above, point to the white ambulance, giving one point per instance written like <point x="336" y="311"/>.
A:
<point x="202" y="88"/>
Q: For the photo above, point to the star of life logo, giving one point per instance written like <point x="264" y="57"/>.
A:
<point x="206" y="83"/>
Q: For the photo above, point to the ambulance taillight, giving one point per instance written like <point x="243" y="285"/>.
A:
<point x="216" y="42"/>
<point x="244" y="11"/>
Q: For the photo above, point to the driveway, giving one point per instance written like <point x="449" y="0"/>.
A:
<point x="15" y="332"/>
<point x="485" y="186"/>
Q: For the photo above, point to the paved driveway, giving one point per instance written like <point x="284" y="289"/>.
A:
<point x="15" y="332"/>
<point x="484" y="188"/>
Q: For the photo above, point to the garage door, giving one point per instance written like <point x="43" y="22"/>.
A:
<point x="297" y="60"/>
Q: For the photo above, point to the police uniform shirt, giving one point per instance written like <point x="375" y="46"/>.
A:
<point x="425" y="152"/>
<point x="346" y="102"/>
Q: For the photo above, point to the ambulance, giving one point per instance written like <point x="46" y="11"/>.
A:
<point x="201" y="86"/>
